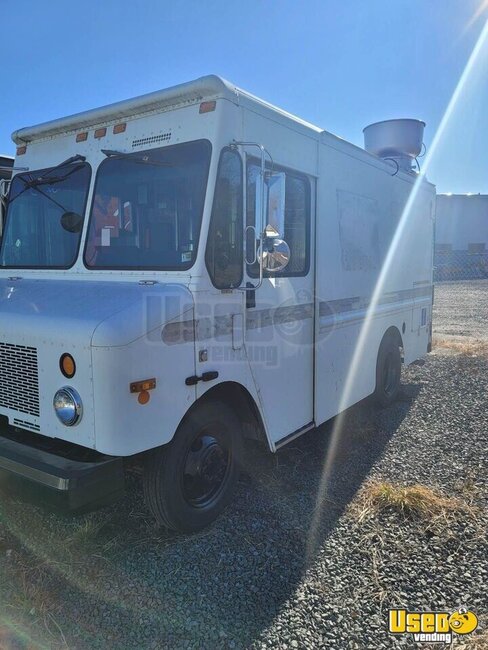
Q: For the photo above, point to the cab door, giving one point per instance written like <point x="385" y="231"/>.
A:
<point x="220" y="309"/>
<point x="279" y="319"/>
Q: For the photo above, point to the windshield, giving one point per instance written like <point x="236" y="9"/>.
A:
<point x="147" y="208"/>
<point x="45" y="217"/>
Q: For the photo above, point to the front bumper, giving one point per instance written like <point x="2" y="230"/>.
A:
<point x="81" y="483"/>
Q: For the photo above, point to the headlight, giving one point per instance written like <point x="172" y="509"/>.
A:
<point x="68" y="406"/>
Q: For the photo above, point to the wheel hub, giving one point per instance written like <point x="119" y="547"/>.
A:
<point x="205" y="470"/>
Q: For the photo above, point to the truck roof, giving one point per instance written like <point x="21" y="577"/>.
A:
<point x="205" y="88"/>
<point x="210" y="86"/>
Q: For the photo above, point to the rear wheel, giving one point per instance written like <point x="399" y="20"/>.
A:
<point x="388" y="372"/>
<point x="189" y="482"/>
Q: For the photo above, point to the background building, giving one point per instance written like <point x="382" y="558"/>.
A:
<point x="461" y="237"/>
<point x="5" y="162"/>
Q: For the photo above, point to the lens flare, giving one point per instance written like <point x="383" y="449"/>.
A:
<point x="477" y="56"/>
<point x="483" y="8"/>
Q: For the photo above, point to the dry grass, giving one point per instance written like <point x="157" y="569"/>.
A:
<point x="428" y="509"/>
<point x="34" y="602"/>
<point x="88" y="537"/>
<point x="470" y="487"/>
<point x="462" y="346"/>
<point x="415" y="501"/>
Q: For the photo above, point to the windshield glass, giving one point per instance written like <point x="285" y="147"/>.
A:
<point x="147" y="208"/>
<point x="45" y="217"/>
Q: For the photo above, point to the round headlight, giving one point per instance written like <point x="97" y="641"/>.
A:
<point x="68" y="406"/>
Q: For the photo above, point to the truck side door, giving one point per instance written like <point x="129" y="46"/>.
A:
<point x="280" y="312"/>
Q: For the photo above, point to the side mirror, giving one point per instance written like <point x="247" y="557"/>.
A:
<point x="275" y="223"/>
<point x="275" y="254"/>
<point x="72" y="222"/>
<point x="272" y="219"/>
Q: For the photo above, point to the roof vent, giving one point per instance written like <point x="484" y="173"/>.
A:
<point x="152" y="139"/>
<point x="397" y="140"/>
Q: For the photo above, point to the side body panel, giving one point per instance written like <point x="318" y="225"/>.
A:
<point x="280" y="327"/>
<point x="123" y="426"/>
<point x="374" y="271"/>
<point x="219" y="324"/>
<point x="266" y="347"/>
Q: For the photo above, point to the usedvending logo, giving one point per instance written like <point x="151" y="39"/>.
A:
<point x="432" y="627"/>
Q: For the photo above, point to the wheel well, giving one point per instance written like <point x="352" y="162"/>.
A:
<point x="244" y="406"/>
<point x="393" y="333"/>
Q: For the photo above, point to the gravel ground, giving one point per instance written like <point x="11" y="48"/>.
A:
<point x="280" y="569"/>
<point x="461" y="309"/>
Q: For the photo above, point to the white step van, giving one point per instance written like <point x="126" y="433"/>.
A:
<point x="183" y="271"/>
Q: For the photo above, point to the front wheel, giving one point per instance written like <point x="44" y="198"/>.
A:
<point x="189" y="482"/>
<point x="388" y="372"/>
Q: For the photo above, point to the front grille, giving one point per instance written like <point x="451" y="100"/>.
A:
<point x="23" y="424"/>
<point x="19" y="379"/>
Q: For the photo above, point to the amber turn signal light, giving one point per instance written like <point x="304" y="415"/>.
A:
<point x="67" y="366"/>
<point x="144" y="397"/>
<point x="142" y="386"/>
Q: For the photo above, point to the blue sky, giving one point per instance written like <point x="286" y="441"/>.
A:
<point x="340" y="64"/>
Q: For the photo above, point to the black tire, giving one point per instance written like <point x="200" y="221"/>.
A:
<point x="189" y="482"/>
<point x="388" y="372"/>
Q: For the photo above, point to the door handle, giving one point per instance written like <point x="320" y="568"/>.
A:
<point x="207" y="376"/>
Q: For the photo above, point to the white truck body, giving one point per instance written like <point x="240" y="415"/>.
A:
<point x="288" y="355"/>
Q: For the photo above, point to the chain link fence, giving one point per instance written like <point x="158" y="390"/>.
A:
<point x="460" y="265"/>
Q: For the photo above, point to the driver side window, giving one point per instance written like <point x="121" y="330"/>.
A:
<point x="296" y="227"/>
<point x="224" y="254"/>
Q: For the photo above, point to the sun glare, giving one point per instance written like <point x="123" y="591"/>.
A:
<point x="477" y="57"/>
<point x="482" y="9"/>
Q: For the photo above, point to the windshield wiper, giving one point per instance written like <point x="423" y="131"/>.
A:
<point x="46" y="179"/>
<point x="110" y="153"/>
<point x="33" y="183"/>
<point x="142" y="159"/>
<point x="50" y="180"/>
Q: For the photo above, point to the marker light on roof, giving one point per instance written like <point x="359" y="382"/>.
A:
<point x="119" y="128"/>
<point x="100" y="133"/>
<point x="81" y="137"/>
<point x="207" y="107"/>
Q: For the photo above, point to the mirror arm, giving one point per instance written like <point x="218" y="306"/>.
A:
<point x="262" y="226"/>
<point x="254" y="259"/>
